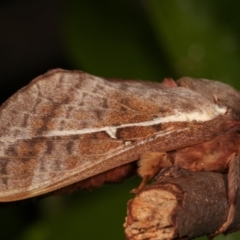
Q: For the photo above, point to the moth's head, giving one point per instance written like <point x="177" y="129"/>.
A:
<point x="220" y="93"/>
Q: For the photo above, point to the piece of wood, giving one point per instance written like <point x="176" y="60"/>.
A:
<point x="180" y="204"/>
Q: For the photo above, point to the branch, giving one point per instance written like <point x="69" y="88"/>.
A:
<point x="180" y="204"/>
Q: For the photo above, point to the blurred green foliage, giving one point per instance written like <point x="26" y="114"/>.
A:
<point x="135" y="39"/>
<point x="154" y="39"/>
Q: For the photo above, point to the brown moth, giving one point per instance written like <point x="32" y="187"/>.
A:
<point x="72" y="128"/>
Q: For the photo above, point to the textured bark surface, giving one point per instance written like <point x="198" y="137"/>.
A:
<point x="180" y="204"/>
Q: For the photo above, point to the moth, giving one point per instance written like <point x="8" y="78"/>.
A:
<point x="70" y="128"/>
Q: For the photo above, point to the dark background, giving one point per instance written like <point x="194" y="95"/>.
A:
<point x="136" y="39"/>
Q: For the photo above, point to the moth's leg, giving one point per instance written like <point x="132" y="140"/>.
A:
<point x="149" y="165"/>
<point x="233" y="182"/>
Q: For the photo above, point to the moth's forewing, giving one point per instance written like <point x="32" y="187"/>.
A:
<point x="66" y="126"/>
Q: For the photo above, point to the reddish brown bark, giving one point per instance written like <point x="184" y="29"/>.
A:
<point x="180" y="204"/>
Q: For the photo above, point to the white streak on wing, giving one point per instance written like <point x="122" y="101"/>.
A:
<point x="220" y="109"/>
<point x="127" y="143"/>
<point x="111" y="131"/>
<point x="199" y="116"/>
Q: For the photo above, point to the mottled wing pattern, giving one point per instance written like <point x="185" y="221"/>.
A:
<point x="66" y="126"/>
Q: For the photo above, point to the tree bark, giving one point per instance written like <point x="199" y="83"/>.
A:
<point x="180" y="204"/>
